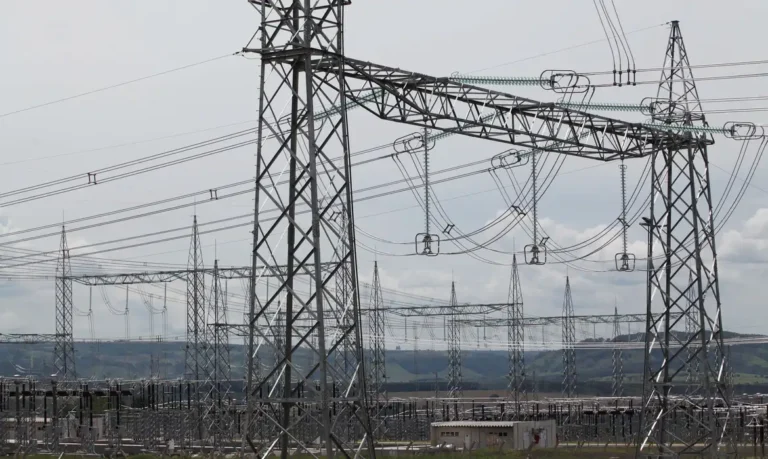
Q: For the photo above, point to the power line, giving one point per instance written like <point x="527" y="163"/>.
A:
<point x="117" y="85"/>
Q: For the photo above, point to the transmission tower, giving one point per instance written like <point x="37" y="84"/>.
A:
<point x="294" y="36"/>
<point x="617" y="389"/>
<point x="64" y="347"/>
<point x="196" y="365"/>
<point x="454" y="349"/>
<point x="516" y="339"/>
<point x="682" y="276"/>
<point x="569" y="340"/>
<point x="220" y="388"/>
<point x="378" y="373"/>
<point x="377" y="377"/>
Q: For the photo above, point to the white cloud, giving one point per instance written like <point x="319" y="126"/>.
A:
<point x="748" y="244"/>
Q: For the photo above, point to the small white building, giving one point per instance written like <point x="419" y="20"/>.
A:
<point x="518" y="435"/>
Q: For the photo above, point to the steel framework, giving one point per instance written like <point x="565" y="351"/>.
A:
<point x="377" y="357"/>
<point x="569" y="340"/>
<point x="453" y="336"/>
<point x="516" y="339"/>
<point x="560" y="320"/>
<point x="302" y="43"/>
<point x="291" y="34"/>
<point x="64" y="348"/>
<point x="155" y="277"/>
<point x="197" y="352"/>
<point x="693" y="369"/>
<point x="686" y="280"/>
<point x="617" y="388"/>
<point x="219" y="390"/>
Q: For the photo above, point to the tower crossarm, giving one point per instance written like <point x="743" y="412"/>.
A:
<point x="27" y="338"/>
<point x="445" y="310"/>
<point x="449" y="106"/>
<point x="558" y="320"/>
<point x="158" y="277"/>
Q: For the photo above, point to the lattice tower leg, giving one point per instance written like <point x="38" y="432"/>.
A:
<point x="684" y="279"/>
<point x="306" y="242"/>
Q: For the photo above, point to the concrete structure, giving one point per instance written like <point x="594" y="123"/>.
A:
<point x="494" y="434"/>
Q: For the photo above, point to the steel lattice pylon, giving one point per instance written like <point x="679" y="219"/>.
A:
<point x="453" y="336"/>
<point x="569" y="340"/>
<point x="377" y="352"/>
<point x="291" y="34"/>
<point x="219" y="390"/>
<point x="617" y="388"/>
<point x="682" y="277"/>
<point x="64" y="348"/>
<point x="516" y="340"/>
<point x="198" y="367"/>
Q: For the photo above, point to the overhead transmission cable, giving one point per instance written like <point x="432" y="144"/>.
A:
<point x="117" y="85"/>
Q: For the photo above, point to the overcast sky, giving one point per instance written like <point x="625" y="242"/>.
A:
<point x="50" y="50"/>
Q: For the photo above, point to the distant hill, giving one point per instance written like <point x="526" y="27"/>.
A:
<point x="483" y="369"/>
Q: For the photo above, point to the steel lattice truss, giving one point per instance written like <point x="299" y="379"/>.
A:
<point x="516" y="339"/>
<point x="617" y="388"/>
<point x="64" y="349"/>
<point x="198" y="353"/>
<point x="289" y="32"/>
<point x="439" y="103"/>
<point x="28" y="338"/>
<point x="560" y="320"/>
<point x="453" y="335"/>
<point x="377" y="353"/>
<point x="301" y="43"/>
<point x="156" y="277"/>
<point x="217" y="418"/>
<point x="569" y="340"/>
<point x="685" y="279"/>
<point x="692" y="321"/>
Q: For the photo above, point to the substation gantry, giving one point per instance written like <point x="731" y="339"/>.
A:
<point x="301" y="44"/>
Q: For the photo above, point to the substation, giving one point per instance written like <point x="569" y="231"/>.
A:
<point x="314" y="373"/>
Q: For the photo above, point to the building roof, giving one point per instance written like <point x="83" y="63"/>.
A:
<point x="474" y="424"/>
